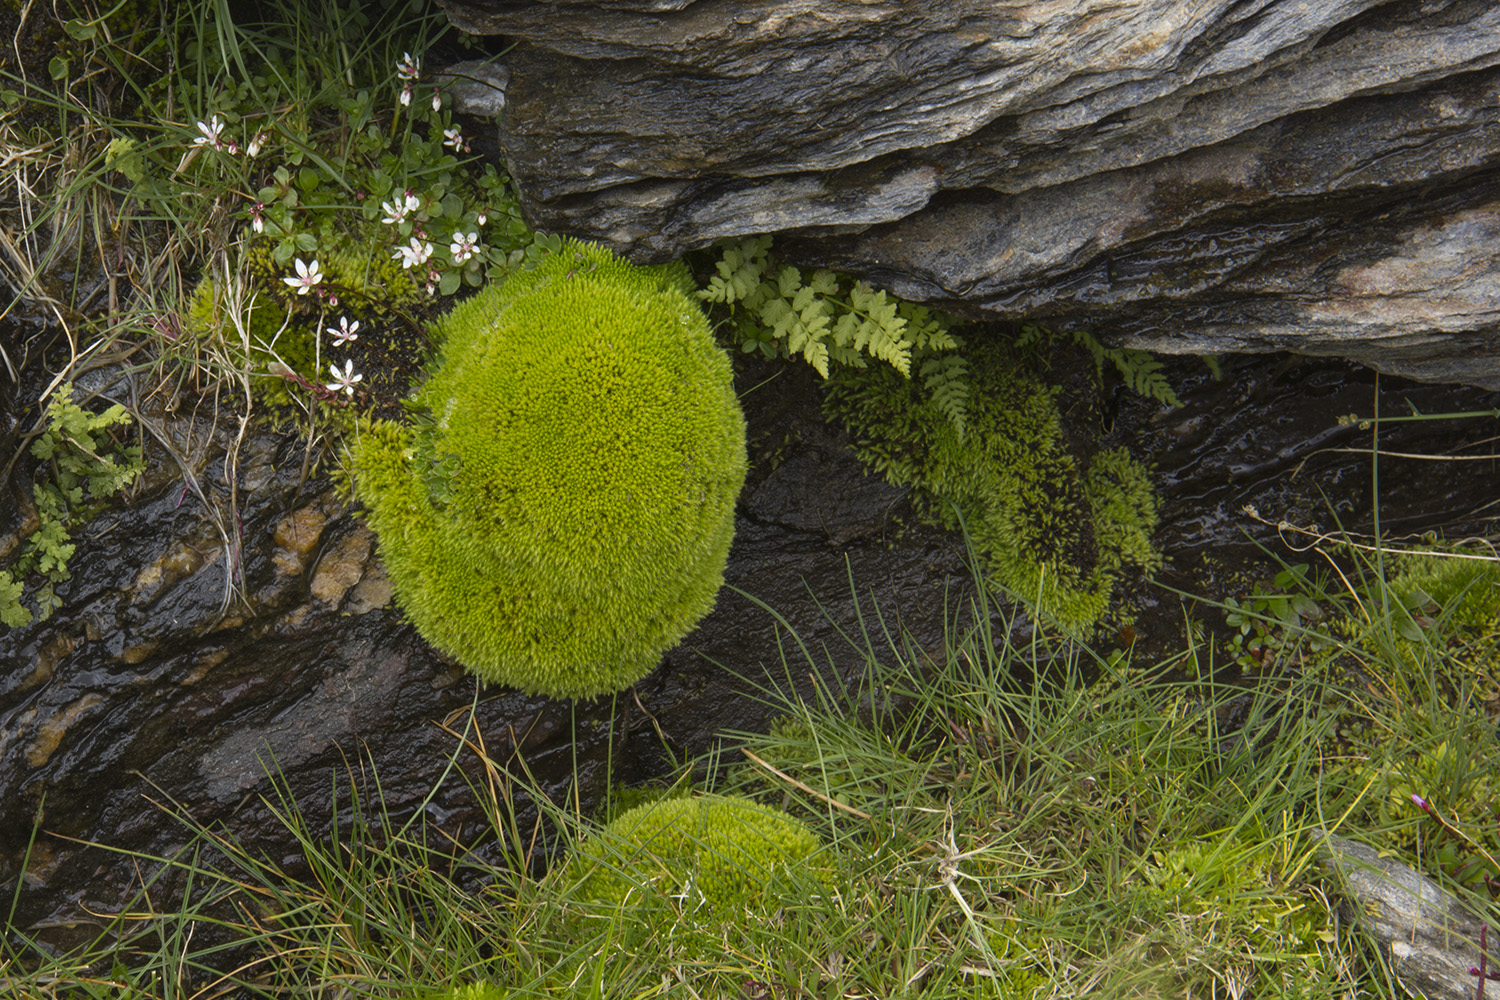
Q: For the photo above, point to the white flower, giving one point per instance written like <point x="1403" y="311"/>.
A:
<point x="437" y="99"/>
<point x="483" y="218"/>
<point x="346" y="332"/>
<point x="307" y="276"/>
<point x="210" y="136"/>
<point x="258" y="218"/>
<point x="406" y="94"/>
<point x="256" y="141"/>
<point x="344" y="380"/>
<point x="453" y="137"/>
<point x="394" y="211"/>
<point x="412" y="201"/>
<point x="408" y="68"/>
<point x="416" y="253"/>
<point x="463" y="246"/>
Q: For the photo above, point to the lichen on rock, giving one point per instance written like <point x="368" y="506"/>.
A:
<point x="560" y="511"/>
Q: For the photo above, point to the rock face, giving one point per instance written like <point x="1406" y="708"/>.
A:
<point x="1429" y="938"/>
<point x="1198" y="178"/>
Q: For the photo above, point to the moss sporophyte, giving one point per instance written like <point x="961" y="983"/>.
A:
<point x="559" y="512"/>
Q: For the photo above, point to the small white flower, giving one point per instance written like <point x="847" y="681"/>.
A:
<point x="406" y="94"/>
<point x="346" y="332"/>
<point x="463" y="246"/>
<point x="307" y="276"/>
<point x="210" y="130"/>
<point x="258" y="217"/>
<point x="453" y="137"/>
<point x="437" y="99"/>
<point x="344" y="379"/>
<point x="412" y="201"/>
<point x="408" y="68"/>
<point x="483" y="218"/>
<point x="394" y="211"/>
<point x="256" y="142"/>
<point x="416" y="253"/>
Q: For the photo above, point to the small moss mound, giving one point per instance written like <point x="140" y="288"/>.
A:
<point x="561" y="510"/>
<point x="718" y="853"/>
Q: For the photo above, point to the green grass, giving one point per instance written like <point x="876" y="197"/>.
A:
<point x="995" y="821"/>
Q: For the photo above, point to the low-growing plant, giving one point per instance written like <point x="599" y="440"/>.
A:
<point x="83" y="466"/>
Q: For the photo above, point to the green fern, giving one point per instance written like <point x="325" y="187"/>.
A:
<point x="828" y="319"/>
<point x="87" y="467"/>
<point x="1140" y="369"/>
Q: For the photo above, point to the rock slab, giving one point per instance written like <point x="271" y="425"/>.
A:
<point x="1193" y="178"/>
<point x="1429" y="938"/>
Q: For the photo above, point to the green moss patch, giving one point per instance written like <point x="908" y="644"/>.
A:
<point x="561" y="511"/>
<point x="717" y="853"/>
<point x="1053" y="530"/>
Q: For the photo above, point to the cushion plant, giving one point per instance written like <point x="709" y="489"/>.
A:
<point x="560" y="512"/>
<point x="717" y="852"/>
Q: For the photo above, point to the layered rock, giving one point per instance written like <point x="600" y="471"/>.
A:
<point x="1208" y="178"/>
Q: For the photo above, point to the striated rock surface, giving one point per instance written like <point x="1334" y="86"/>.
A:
<point x="1198" y="178"/>
<point x="1428" y="936"/>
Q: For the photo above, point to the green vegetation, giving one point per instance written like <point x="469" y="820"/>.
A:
<point x="561" y="511"/>
<point x="84" y="466"/>
<point x="982" y="822"/>
<point x="720" y="854"/>
<point x="1054" y="531"/>
<point x="832" y="318"/>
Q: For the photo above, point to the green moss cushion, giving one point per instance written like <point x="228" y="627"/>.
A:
<point x="715" y="852"/>
<point x="561" y="512"/>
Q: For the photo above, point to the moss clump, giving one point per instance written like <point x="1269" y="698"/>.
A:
<point x="561" y="510"/>
<point x="1053" y="531"/>
<point x="716" y="853"/>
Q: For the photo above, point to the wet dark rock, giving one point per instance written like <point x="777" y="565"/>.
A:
<point x="1313" y="177"/>
<point x="1429" y="938"/>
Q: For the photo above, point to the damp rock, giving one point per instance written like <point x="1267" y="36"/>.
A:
<point x="1428" y="937"/>
<point x="1312" y="177"/>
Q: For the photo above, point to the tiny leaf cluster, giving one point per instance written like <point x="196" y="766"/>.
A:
<point x="86" y="467"/>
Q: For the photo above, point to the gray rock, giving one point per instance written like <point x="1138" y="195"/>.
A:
<point x="1259" y="176"/>
<point x="1429" y="938"/>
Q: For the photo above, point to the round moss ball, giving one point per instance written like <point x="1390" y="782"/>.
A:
<point x="560" y="510"/>
<point x="718" y="852"/>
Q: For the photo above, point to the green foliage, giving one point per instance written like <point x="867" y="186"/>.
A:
<point x="1141" y="372"/>
<point x="1457" y="587"/>
<point x="560" y="511"/>
<point x="84" y="466"/>
<point x="1052" y="530"/>
<point x="832" y="319"/>
<point x="714" y="853"/>
<point x="1279" y="620"/>
<point x="1232" y="906"/>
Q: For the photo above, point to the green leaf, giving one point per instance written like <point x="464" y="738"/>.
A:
<point x="306" y="242"/>
<point x="448" y="283"/>
<point x="58" y="67"/>
<point x="81" y="29"/>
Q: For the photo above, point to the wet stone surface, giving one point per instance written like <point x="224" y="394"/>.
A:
<point x="154" y="685"/>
